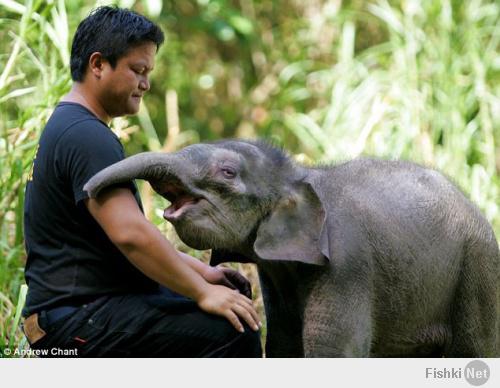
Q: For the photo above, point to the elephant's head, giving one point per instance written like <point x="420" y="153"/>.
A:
<point x="233" y="196"/>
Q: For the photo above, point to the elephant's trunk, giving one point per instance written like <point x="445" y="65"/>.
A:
<point x="155" y="167"/>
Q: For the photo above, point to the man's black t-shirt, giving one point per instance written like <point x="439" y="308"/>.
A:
<point x="71" y="260"/>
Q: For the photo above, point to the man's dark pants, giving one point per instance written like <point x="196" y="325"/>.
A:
<point x="146" y="325"/>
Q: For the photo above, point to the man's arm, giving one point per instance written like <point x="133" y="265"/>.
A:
<point x="141" y="242"/>
<point x="200" y="267"/>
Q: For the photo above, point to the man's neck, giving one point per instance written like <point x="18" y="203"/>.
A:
<point x="80" y="95"/>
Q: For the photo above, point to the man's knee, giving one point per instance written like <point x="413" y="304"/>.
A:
<point x="245" y="344"/>
<point x="251" y="342"/>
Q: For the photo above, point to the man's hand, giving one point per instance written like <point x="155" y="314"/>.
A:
<point x="230" y="304"/>
<point x="228" y="277"/>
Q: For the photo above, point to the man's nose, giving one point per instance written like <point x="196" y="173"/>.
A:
<point x="144" y="84"/>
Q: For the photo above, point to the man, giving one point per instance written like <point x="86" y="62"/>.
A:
<point x="95" y="265"/>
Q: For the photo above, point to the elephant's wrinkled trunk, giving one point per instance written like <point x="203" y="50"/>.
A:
<point x="154" y="167"/>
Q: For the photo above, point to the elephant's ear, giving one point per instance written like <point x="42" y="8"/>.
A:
<point x="294" y="231"/>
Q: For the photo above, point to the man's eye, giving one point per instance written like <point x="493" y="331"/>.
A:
<point x="228" y="172"/>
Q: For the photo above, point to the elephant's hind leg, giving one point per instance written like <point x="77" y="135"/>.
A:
<point x="475" y="314"/>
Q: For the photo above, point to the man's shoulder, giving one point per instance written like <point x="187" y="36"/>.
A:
<point x="71" y="122"/>
<point x="69" y="114"/>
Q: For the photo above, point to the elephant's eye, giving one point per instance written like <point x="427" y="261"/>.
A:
<point x="228" y="172"/>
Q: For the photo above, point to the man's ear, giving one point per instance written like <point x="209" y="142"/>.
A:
<point x="293" y="230"/>
<point x="96" y="62"/>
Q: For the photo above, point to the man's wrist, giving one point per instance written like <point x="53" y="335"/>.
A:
<point x="199" y="266"/>
<point x="200" y="291"/>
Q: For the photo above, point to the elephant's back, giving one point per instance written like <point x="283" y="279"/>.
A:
<point x="403" y="199"/>
<point x="396" y="197"/>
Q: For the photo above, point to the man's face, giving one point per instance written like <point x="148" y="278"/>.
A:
<point x="122" y="88"/>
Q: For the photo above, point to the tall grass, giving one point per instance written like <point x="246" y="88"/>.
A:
<point x="429" y="92"/>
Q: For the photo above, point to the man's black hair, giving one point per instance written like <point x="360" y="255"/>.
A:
<point x="111" y="31"/>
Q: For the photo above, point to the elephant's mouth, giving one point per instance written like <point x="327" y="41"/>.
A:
<point x="180" y="199"/>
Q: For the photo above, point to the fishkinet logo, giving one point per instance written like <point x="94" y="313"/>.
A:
<point x="476" y="373"/>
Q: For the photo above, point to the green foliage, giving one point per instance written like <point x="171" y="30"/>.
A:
<point x="328" y="80"/>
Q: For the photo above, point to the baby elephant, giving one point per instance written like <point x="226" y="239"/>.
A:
<point x="366" y="258"/>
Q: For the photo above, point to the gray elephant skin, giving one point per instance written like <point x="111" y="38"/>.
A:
<point x="365" y="258"/>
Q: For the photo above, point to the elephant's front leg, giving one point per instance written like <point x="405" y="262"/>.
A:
<point x="337" y="320"/>
<point x="283" y="341"/>
<point x="284" y="324"/>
